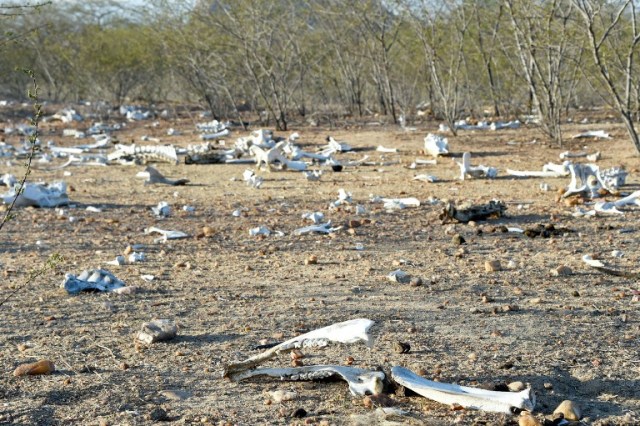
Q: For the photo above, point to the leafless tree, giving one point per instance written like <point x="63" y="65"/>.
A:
<point x="613" y="33"/>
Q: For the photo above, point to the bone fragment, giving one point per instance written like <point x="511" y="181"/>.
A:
<point x="436" y="145"/>
<point x="38" y="195"/>
<point x="324" y="228"/>
<point x="607" y="269"/>
<point x="466" y="169"/>
<point x="599" y="134"/>
<point x="93" y="279"/>
<point x="361" y="382"/>
<point x="166" y="235"/>
<point x="426" y="178"/>
<point x="154" y="176"/>
<point x="158" y="330"/>
<point x="467" y="397"/>
<point x="346" y="332"/>
<point x="381" y="148"/>
<point x="480" y="212"/>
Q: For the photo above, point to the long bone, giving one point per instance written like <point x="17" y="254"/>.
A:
<point x="594" y="263"/>
<point x="472" y="398"/>
<point x="351" y="331"/>
<point x="361" y="382"/>
<point x="154" y="176"/>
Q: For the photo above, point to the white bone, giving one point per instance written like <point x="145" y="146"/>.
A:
<point x="361" y="382"/>
<point x="466" y="169"/>
<point x="381" y="148"/>
<point x="312" y="175"/>
<point x="260" y="230"/>
<point x="118" y="261"/>
<point x="162" y="209"/>
<point x="153" y="176"/>
<point x="166" y="235"/>
<point x="324" y="228"/>
<point x="436" y="145"/>
<point x="346" y="332"/>
<point x="38" y="195"/>
<point x="214" y="136"/>
<point x="607" y="208"/>
<point x="426" y="178"/>
<point x="406" y="202"/>
<point x="315" y="217"/>
<point x="599" y="134"/>
<point x="95" y="279"/>
<point x="252" y="179"/>
<point x="467" y="397"/>
<point x="344" y="197"/>
<point x="629" y="199"/>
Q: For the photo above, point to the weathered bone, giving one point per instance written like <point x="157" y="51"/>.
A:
<point x="166" y="235"/>
<point x="312" y="175"/>
<point x="599" y="134"/>
<point x="568" y="154"/>
<point x="251" y="179"/>
<point x="154" y="176"/>
<point x="426" y="178"/>
<point x="607" y="269"/>
<point x="143" y="154"/>
<point x="549" y="170"/>
<point x="381" y="148"/>
<point x="361" y="382"/>
<point x="38" y="195"/>
<point x="467" y="397"/>
<point x="94" y="279"/>
<point x="466" y="169"/>
<point x="406" y="202"/>
<point x="351" y="331"/>
<point x="482" y="212"/>
<point x="436" y="145"/>
<point x="323" y="228"/>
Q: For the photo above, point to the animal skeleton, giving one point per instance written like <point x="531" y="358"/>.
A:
<point x="361" y="382"/>
<point x="467" y="397"/>
<point x="475" y="171"/>
<point x="346" y="332"/>
<point x="592" y="179"/>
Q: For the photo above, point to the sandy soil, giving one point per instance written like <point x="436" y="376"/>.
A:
<point x="571" y="337"/>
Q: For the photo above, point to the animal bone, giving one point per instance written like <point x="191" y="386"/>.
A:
<point x="482" y="212"/>
<point x="260" y="230"/>
<point x="600" y="134"/>
<point x="324" y="228"/>
<point x="315" y="217"/>
<point x="94" y="279"/>
<point x="269" y="158"/>
<point x="162" y="209"/>
<point x="154" y="176"/>
<point x="607" y="208"/>
<point x="313" y="175"/>
<point x="589" y="260"/>
<point x="346" y="332"/>
<point x="252" y="179"/>
<point x="467" y="397"/>
<point x="158" y="330"/>
<point x="426" y="178"/>
<point x="550" y="170"/>
<point x="436" y="145"/>
<point x="404" y="202"/>
<point x="564" y="155"/>
<point x="38" y="195"/>
<point x="142" y="154"/>
<point x="361" y="382"/>
<point x="381" y="148"/>
<point x="215" y="136"/>
<point x="166" y="235"/>
<point x="475" y="171"/>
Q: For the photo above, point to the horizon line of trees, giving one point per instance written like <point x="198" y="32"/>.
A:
<point x="325" y="59"/>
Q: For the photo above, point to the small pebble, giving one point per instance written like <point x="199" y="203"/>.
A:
<point x="157" y="415"/>
<point x="297" y="354"/>
<point x="516" y="386"/>
<point x="492" y="265"/>
<point x="401" y="348"/>
<point x="458" y="240"/>
<point x="299" y="413"/>
<point x="282" y="396"/>
<point x="528" y="419"/>
<point x="569" y="409"/>
<point x="311" y="260"/>
<point x="561" y="271"/>
<point x="415" y="282"/>
<point x="548" y="386"/>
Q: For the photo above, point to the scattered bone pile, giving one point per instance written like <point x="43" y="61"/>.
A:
<point x="263" y="152"/>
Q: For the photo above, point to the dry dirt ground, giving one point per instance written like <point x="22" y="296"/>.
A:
<point x="571" y="337"/>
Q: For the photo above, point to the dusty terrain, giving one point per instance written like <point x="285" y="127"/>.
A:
<point x="571" y="337"/>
